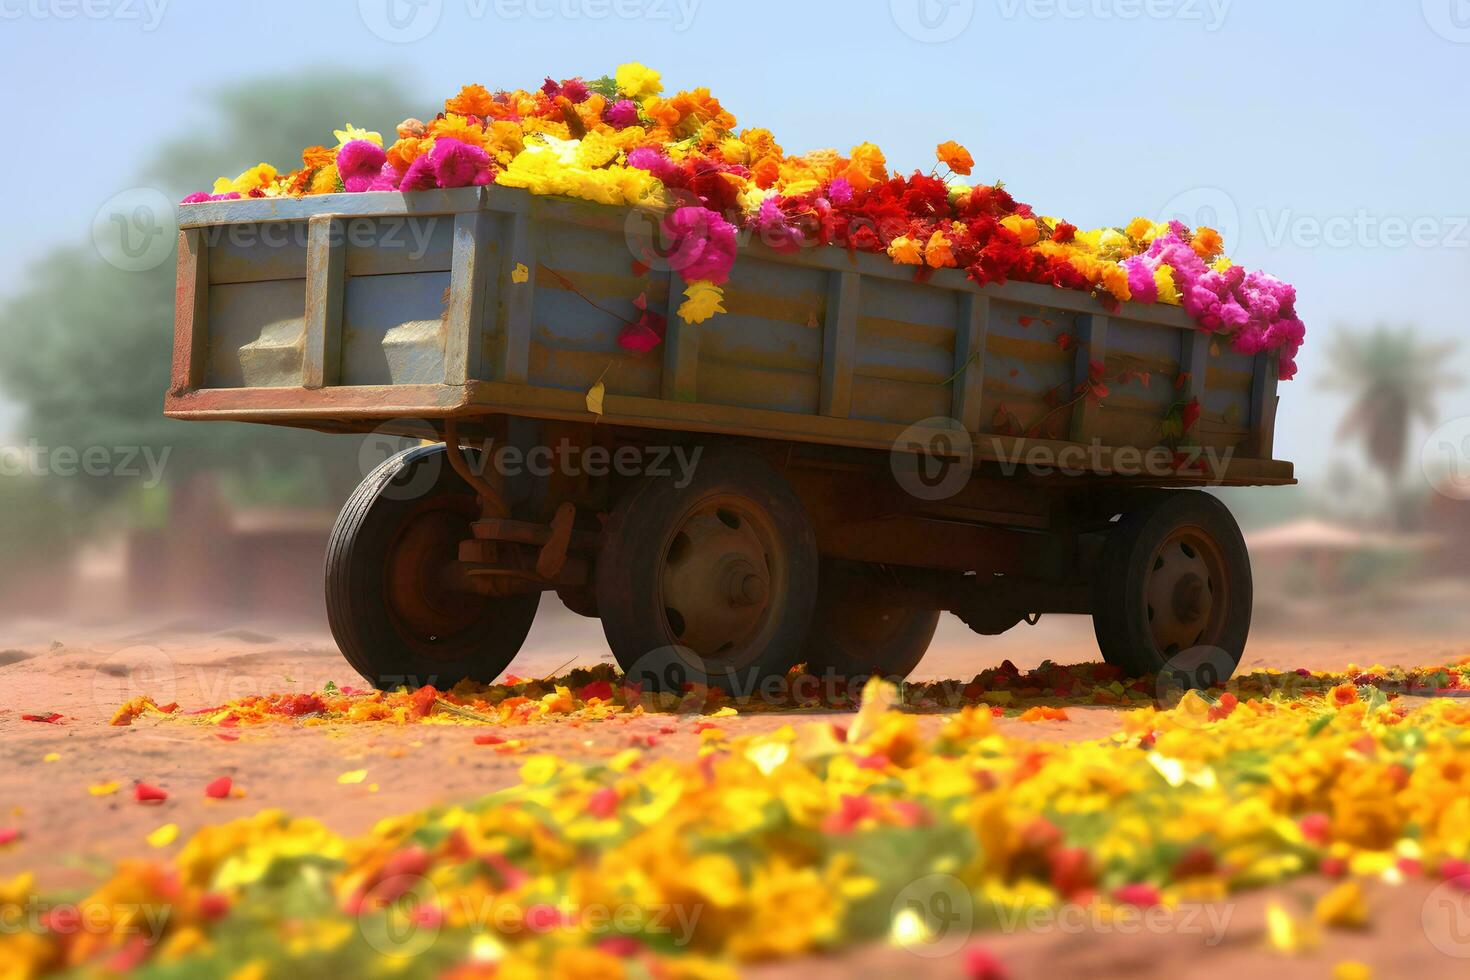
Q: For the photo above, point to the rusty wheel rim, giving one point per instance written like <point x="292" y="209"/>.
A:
<point x="720" y="581"/>
<point x="425" y="613"/>
<point x="1186" y="592"/>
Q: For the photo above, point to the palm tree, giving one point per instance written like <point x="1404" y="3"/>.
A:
<point x="1394" y="380"/>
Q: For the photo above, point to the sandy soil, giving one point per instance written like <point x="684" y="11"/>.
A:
<point x="84" y="672"/>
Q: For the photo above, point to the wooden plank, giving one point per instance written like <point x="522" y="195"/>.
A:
<point x="516" y="300"/>
<point x="326" y="253"/>
<point x="969" y="360"/>
<point x="1264" y="382"/>
<point x="191" y="313"/>
<point x="464" y="317"/>
<point x="1092" y="345"/>
<point x="252" y="210"/>
<point x="680" y="381"/>
<point x="1194" y="360"/>
<point x="839" y="343"/>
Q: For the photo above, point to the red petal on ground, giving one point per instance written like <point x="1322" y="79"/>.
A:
<point x="145" y="793"/>
<point x="8" y="835"/>
<point x="489" y="740"/>
<point x="219" y="789"/>
<point x="51" y="718"/>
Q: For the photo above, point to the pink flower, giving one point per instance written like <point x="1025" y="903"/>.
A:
<point x="621" y="114"/>
<point x="703" y="245"/>
<point x="458" y="164"/>
<point x="359" y="163"/>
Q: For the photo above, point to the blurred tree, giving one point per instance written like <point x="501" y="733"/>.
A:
<point x="1393" y="380"/>
<point x="85" y="348"/>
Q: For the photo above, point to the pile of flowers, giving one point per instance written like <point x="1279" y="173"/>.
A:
<point x="801" y="840"/>
<point x="619" y="140"/>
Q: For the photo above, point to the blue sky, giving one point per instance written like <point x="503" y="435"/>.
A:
<point x="1334" y="137"/>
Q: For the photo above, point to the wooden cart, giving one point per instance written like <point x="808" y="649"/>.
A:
<point x="812" y="476"/>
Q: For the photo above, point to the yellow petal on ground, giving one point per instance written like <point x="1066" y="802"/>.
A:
<point x="165" y="835"/>
<point x="352" y="776"/>
<point x="520" y="274"/>
<point x="51" y="757"/>
<point x="1352" y="970"/>
<point x="1345" y="907"/>
<point x="595" y="394"/>
<point x="103" y="789"/>
<point x="725" y="712"/>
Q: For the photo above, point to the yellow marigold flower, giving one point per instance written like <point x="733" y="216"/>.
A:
<point x="350" y="132"/>
<point x="955" y="157"/>
<point x="458" y="127"/>
<point x="638" y="81"/>
<point x="256" y="178"/>
<point x="1140" y="229"/>
<point x="596" y="150"/>
<point x="1223" y="265"/>
<point x="703" y="300"/>
<point x="1164" y="280"/>
<point x="906" y="250"/>
<point x="326" y="181"/>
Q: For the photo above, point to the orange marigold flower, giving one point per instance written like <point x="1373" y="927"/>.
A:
<point x="1208" y="244"/>
<point x="1115" y="281"/>
<point x="472" y="100"/>
<point x="458" y="127"/>
<point x="765" y="172"/>
<point x="406" y="151"/>
<point x="938" y="253"/>
<point x="866" y="167"/>
<point x="955" y="157"/>
<point x="317" y="156"/>
<point x="1343" y="695"/>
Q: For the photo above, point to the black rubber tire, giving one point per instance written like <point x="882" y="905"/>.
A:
<point x="1120" y="605"/>
<point x="637" y="540"/>
<point x="374" y="641"/>
<point x="857" y="633"/>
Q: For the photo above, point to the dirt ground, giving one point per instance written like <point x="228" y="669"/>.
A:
<point x="84" y="672"/>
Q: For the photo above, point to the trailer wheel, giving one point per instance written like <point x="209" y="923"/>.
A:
<point x="393" y="619"/>
<point x="719" y="575"/>
<point x="1174" y="585"/>
<point x="859" y="631"/>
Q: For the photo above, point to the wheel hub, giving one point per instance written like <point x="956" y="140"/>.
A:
<point x="423" y="609"/>
<point x="716" y="582"/>
<point x="1185" y="592"/>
